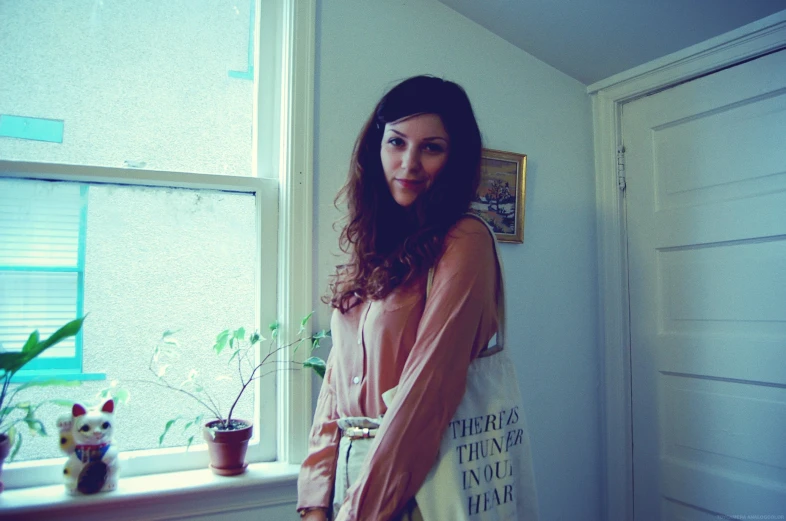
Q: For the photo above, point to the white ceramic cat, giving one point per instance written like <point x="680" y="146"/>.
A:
<point x="86" y="436"/>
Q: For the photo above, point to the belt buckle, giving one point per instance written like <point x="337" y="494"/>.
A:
<point x="358" y="432"/>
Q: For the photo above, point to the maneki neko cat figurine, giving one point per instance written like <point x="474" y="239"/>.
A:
<point x="86" y="436"/>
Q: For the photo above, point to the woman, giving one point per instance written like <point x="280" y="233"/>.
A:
<point x="414" y="171"/>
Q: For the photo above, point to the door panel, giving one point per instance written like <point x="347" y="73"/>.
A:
<point x="706" y="209"/>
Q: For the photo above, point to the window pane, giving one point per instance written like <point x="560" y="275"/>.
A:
<point x="159" y="259"/>
<point x="143" y="84"/>
<point x="37" y="300"/>
<point x="39" y="224"/>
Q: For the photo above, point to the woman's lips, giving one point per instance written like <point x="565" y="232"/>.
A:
<point x="410" y="184"/>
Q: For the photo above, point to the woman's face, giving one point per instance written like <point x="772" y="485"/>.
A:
<point x="414" y="151"/>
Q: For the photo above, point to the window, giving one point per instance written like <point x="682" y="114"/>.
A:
<point x="42" y="259"/>
<point x="175" y="143"/>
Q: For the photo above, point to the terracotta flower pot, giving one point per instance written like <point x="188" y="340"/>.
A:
<point x="5" y="448"/>
<point x="227" y="448"/>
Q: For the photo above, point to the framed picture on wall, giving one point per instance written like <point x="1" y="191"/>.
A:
<point x="500" y="197"/>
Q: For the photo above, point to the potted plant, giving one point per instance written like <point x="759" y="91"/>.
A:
<point x="226" y="436"/>
<point x="14" y="412"/>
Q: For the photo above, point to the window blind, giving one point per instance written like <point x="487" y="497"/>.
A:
<point x="41" y="264"/>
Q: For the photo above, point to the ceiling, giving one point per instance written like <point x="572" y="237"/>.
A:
<point x="591" y="40"/>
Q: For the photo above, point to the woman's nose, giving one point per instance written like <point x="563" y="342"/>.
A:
<point x="412" y="160"/>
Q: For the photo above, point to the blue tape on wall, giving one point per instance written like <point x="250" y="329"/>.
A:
<point x="248" y="74"/>
<point x="38" y="129"/>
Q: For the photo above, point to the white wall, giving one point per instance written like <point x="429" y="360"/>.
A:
<point x="524" y="106"/>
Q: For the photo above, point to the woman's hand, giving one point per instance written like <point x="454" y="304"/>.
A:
<point x="315" y="515"/>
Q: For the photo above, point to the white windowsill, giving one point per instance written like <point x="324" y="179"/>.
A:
<point x="159" y="496"/>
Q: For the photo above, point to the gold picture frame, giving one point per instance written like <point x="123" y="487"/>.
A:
<point x="500" y="197"/>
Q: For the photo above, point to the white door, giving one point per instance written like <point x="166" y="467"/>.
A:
<point x="706" y="214"/>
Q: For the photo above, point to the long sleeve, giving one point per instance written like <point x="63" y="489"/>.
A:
<point x="315" y="482"/>
<point x="458" y="320"/>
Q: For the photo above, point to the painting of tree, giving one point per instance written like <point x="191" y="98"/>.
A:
<point x="500" y="197"/>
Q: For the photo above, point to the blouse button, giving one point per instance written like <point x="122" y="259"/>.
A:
<point x="356" y="380"/>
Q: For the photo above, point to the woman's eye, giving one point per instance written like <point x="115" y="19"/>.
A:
<point x="396" y="141"/>
<point x="434" y="147"/>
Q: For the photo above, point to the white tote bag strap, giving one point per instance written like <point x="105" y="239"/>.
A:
<point x="501" y="330"/>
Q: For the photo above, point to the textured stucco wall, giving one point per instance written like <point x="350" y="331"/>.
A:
<point x="525" y="106"/>
<point x="143" y="81"/>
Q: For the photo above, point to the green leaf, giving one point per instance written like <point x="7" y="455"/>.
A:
<point x="17" y="444"/>
<point x="121" y="395"/>
<point x="35" y="426"/>
<point x="32" y="341"/>
<point x="255" y="338"/>
<point x="221" y="341"/>
<point x="196" y="422"/>
<point x="68" y="330"/>
<point x="306" y="319"/>
<point x="317" y="364"/>
<point x="166" y="429"/>
<point x="48" y="383"/>
<point x="240" y="334"/>
<point x="10" y="363"/>
<point x="61" y="403"/>
<point x="190" y="441"/>
<point x="234" y="354"/>
<point x="118" y="394"/>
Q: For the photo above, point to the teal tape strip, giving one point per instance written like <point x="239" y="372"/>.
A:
<point x="27" y="376"/>
<point x="37" y="129"/>
<point x="248" y="74"/>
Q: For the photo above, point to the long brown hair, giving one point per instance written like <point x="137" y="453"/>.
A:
<point x="389" y="245"/>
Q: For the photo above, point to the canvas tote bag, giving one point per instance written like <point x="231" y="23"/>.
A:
<point x="484" y="468"/>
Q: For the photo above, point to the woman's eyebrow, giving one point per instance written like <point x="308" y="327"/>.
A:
<point x="430" y="138"/>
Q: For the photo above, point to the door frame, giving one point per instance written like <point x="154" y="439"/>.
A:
<point x="608" y="97"/>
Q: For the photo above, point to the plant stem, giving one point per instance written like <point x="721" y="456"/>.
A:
<point x="166" y="385"/>
<point x="262" y="375"/>
<point x="6" y="383"/>
<point x="251" y="378"/>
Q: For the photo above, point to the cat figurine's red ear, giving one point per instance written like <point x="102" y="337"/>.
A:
<point x="109" y="406"/>
<point x="78" y="410"/>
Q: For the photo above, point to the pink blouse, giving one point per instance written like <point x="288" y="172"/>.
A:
<point x="422" y="345"/>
